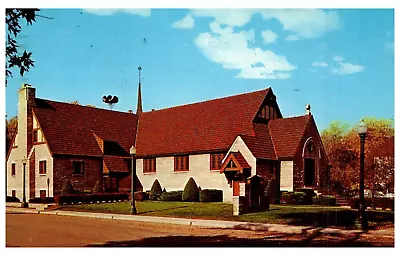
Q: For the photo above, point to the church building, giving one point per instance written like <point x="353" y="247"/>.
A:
<point x="58" y="141"/>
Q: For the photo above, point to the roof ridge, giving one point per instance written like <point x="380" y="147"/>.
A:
<point x="292" y="117"/>
<point x="84" y="106"/>
<point x="213" y="99"/>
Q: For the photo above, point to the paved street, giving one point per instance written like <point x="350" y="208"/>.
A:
<point x="34" y="230"/>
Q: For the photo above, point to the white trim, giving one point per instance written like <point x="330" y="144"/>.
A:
<point x="305" y="144"/>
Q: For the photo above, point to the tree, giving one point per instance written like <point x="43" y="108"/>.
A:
<point x="21" y="60"/>
<point x="98" y="188"/>
<point x="191" y="191"/>
<point x="156" y="190"/>
<point x="67" y="187"/>
<point x="11" y="127"/>
<point x="342" y="146"/>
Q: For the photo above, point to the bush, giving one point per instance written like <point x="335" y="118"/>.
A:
<point x="140" y="196"/>
<point x="87" y="198"/>
<point x="98" y="188"/>
<point x="12" y="199"/>
<point x="210" y="195"/>
<point x="383" y="203"/>
<point x="191" y="191"/>
<point x="172" y="196"/>
<point x="296" y="198"/>
<point x="67" y="187"/>
<point x="42" y="201"/>
<point x="324" y="200"/>
<point x="309" y="195"/>
<point x="155" y="192"/>
<point x="272" y="190"/>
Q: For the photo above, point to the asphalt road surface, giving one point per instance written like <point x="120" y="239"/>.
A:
<point x="40" y="230"/>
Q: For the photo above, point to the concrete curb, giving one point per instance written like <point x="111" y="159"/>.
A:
<point x="205" y="223"/>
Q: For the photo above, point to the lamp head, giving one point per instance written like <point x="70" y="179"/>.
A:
<point x="132" y="150"/>
<point x="362" y="128"/>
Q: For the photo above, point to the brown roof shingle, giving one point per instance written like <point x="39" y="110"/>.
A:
<point x="68" y="128"/>
<point x="200" y="127"/>
<point x="286" y="134"/>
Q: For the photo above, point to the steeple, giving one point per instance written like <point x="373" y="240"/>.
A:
<point x="139" y="102"/>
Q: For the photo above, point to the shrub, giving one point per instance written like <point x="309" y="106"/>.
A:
<point x="172" y="196"/>
<point x="87" y="198"/>
<point x="324" y="200"/>
<point x="155" y="192"/>
<point x="272" y="190"/>
<point x="191" y="191"/>
<point x="67" y="187"/>
<point x="98" y="187"/>
<point x="309" y="195"/>
<point x="296" y="198"/>
<point x="12" y="199"/>
<point x="210" y="195"/>
<point x="140" y="196"/>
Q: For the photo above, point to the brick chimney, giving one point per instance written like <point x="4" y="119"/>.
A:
<point x="26" y="101"/>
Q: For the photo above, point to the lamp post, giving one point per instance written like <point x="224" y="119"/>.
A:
<point x="132" y="152"/>
<point x="362" y="131"/>
<point x="24" y="204"/>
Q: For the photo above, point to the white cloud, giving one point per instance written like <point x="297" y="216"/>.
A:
<point x="269" y="36"/>
<point x="347" y="68"/>
<point x="304" y="23"/>
<point x="108" y="12"/>
<point x="319" y="64"/>
<point x="185" y="23"/>
<point x="233" y="51"/>
<point x="338" y="58"/>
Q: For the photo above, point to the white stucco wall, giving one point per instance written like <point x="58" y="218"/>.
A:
<point x="286" y="176"/>
<point x="199" y="169"/>
<point x="15" y="182"/>
<point x="42" y="154"/>
<point x="239" y="146"/>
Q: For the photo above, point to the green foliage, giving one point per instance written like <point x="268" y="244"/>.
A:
<point x="98" y="188"/>
<point x="324" y="200"/>
<point x="67" y="187"/>
<point x="296" y="198"/>
<point x="14" y="58"/>
<point x="309" y="195"/>
<point x="172" y="196"/>
<point x="272" y="190"/>
<point x="155" y="191"/>
<point x="211" y="195"/>
<point x="191" y="191"/>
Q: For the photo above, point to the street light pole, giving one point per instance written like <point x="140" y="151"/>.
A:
<point x="132" y="152"/>
<point x="362" y="131"/>
<point x="24" y="204"/>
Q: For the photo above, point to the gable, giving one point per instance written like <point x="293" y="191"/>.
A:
<point x="268" y="110"/>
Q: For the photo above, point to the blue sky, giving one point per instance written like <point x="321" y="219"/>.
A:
<point x="340" y="61"/>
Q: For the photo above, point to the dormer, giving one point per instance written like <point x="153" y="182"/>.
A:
<point x="269" y="109"/>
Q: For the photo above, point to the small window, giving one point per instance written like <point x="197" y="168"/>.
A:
<point x="42" y="167"/>
<point x="42" y="194"/>
<point x="311" y="147"/>
<point x="13" y="194"/>
<point x="181" y="163"/>
<point x="13" y="169"/>
<point x="78" y="167"/>
<point x="215" y="160"/>
<point x="149" y="165"/>
<point x="231" y="164"/>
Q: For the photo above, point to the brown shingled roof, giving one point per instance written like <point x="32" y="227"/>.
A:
<point x="200" y="127"/>
<point x="115" y="164"/>
<point x="260" y="144"/>
<point x="286" y="134"/>
<point x="68" y="128"/>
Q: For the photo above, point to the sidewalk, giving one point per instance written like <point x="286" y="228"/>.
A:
<point x="290" y="229"/>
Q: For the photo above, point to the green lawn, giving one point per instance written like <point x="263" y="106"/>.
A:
<point x="286" y="214"/>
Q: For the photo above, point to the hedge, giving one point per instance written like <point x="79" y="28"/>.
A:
<point x="324" y="200"/>
<point x="42" y="201"/>
<point x="12" y="199"/>
<point x="309" y="195"/>
<point x="211" y="195"/>
<point x="383" y="203"/>
<point x="140" y="196"/>
<point x="296" y="198"/>
<point x="172" y="196"/>
<point x="88" y="198"/>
